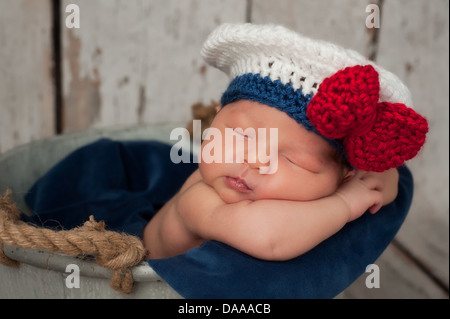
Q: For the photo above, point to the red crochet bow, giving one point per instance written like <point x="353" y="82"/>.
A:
<point x="376" y="136"/>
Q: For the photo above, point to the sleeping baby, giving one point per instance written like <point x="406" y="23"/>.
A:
<point x="343" y="127"/>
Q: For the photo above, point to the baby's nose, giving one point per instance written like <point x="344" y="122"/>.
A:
<point x="251" y="161"/>
<point x="264" y="153"/>
<point x="252" y="154"/>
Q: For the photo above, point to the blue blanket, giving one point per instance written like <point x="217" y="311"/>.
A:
<point x="125" y="183"/>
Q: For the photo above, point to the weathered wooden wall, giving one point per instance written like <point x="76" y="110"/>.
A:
<point x="26" y="68"/>
<point x="138" y="62"/>
<point x="414" y="43"/>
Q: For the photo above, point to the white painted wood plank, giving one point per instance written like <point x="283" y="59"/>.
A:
<point x="414" y="45"/>
<point x="139" y="61"/>
<point x="339" y="21"/>
<point x="399" y="279"/>
<point x="26" y="92"/>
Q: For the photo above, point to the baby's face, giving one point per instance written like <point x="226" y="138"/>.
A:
<point x="305" y="169"/>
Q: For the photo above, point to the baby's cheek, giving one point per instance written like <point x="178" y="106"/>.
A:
<point x="210" y="172"/>
<point x="306" y="187"/>
<point x="275" y="187"/>
<point x="205" y="171"/>
<point x="326" y="186"/>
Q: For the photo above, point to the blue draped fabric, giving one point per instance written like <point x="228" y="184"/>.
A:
<point x="125" y="184"/>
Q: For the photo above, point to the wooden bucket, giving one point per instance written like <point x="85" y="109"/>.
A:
<point x="43" y="274"/>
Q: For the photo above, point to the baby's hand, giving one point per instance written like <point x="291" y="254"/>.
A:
<point x="361" y="193"/>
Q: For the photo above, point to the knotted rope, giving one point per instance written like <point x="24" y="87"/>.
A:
<point x="112" y="250"/>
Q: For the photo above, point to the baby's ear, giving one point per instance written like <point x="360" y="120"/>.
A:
<point x="350" y="173"/>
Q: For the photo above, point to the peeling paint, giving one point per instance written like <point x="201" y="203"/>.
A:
<point x="124" y="81"/>
<point x="374" y="34"/>
<point x="203" y="70"/>
<point x="142" y="103"/>
<point x="408" y="68"/>
<point x="83" y="100"/>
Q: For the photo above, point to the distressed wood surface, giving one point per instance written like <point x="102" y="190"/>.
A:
<point x="399" y="278"/>
<point x="338" y="21"/>
<point x="139" y="61"/>
<point x="26" y="89"/>
<point x="414" y="45"/>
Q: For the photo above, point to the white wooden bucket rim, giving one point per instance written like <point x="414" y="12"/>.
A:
<point x="60" y="146"/>
<point x="89" y="268"/>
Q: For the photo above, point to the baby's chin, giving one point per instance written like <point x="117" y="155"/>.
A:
<point x="231" y="198"/>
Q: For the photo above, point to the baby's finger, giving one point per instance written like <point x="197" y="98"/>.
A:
<point x="378" y="202"/>
<point x="375" y="208"/>
<point x="359" y="173"/>
<point x="372" y="182"/>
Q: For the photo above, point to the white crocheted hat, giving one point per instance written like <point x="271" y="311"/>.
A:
<point x="284" y="55"/>
<point x="359" y="107"/>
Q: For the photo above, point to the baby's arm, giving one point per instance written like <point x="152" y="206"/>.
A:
<point x="278" y="229"/>
<point x="385" y="183"/>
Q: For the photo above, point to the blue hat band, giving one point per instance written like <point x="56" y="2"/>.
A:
<point x="283" y="97"/>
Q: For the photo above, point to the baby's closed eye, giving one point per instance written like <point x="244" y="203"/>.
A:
<point x="297" y="163"/>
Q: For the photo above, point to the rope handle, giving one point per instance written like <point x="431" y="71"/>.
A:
<point x="112" y="250"/>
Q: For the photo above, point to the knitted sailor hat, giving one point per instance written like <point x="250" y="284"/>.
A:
<point x="356" y="105"/>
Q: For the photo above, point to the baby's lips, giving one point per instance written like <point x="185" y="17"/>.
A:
<point x="237" y="184"/>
